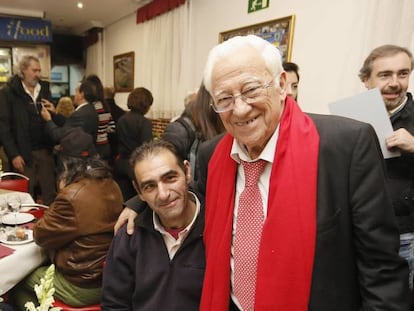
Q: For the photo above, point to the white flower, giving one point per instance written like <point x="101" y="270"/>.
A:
<point x="44" y="293"/>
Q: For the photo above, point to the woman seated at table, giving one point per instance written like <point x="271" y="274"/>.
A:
<point x="77" y="229"/>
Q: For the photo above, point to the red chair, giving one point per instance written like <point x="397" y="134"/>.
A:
<point x="14" y="181"/>
<point x="36" y="209"/>
<point x="65" y="307"/>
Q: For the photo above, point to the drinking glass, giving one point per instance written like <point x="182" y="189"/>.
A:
<point x="4" y="208"/>
<point x="13" y="200"/>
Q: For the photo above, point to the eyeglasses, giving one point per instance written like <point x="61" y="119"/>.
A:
<point x="249" y="96"/>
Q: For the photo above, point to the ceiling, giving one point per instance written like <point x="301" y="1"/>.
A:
<point x="67" y="18"/>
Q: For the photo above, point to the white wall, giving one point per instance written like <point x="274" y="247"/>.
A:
<point x="331" y="40"/>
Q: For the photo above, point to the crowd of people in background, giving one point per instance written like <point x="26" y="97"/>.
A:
<point x="320" y="232"/>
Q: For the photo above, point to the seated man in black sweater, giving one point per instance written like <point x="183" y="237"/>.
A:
<point x="161" y="266"/>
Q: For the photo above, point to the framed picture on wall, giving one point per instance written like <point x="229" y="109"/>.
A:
<point x="124" y="72"/>
<point x="278" y="32"/>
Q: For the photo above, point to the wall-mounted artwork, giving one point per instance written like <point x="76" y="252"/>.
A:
<point x="278" y="32"/>
<point x="124" y="72"/>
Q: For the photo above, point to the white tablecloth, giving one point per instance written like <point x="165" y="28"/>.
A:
<point x="25" y="198"/>
<point x="25" y="259"/>
<point x="15" y="267"/>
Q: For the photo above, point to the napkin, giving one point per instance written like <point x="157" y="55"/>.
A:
<point x="5" y="251"/>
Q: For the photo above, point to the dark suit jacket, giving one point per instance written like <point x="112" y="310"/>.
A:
<point x="85" y="117"/>
<point x="133" y="129"/>
<point x="356" y="264"/>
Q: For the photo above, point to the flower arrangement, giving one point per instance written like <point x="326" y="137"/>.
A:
<point x="44" y="293"/>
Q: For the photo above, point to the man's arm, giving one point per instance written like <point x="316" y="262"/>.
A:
<point x="119" y="277"/>
<point x="383" y="274"/>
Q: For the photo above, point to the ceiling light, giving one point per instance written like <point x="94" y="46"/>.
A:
<point x="80" y="5"/>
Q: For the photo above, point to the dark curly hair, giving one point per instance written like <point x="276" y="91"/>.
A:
<point x="74" y="168"/>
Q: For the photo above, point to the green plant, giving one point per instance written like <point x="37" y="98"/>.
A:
<point x="44" y="293"/>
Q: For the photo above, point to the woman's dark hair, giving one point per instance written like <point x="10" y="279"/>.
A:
<point x="291" y="67"/>
<point x="206" y="121"/>
<point x="90" y="168"/>
<point x="140" y="99"/>
<point x="97" y="87"/>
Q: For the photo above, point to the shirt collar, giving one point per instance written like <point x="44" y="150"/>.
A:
<point x="238" y="152"/>
<point x="81" y="105"/>
<point x="397" y="109"/>
<point x="160" y="228"/>
<point x="36" y="91"/>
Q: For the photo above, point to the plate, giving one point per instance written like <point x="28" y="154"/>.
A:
<point x="29" y="233"/>
<point x="21" y="218"/>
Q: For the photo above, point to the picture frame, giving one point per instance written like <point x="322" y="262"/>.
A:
<point x="277" y="31"/>
<point x="124" y="65"/>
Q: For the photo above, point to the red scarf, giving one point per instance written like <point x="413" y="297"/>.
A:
<point x="287" y="248"/>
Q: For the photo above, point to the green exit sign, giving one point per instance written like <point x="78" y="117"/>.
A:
<point x="256" y="5"/>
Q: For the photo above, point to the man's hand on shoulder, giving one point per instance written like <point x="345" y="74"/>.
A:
<point x="127" y="215"/>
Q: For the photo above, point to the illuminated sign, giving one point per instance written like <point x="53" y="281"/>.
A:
<point x="22" y="29"/>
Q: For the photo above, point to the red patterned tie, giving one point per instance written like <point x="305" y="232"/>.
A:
<point x="248" y="233"/>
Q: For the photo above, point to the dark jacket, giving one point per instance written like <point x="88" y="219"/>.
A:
<point x="85" y="117"/>
<point x="356" y="263"/>
<point x="77" y="229"/>
<point x="19" y="115"/>
<point x="133" y="129"/>
<point x="114" y="109"/>
<point x="400" y="171"/>
<point x="185" y="138"/>
<point x="140" y="276"/>
<point x="181" y="136"/>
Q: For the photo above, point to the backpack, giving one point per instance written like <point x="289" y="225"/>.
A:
<point x="194" y="142"/>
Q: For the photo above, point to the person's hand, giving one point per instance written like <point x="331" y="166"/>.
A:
<point x="18" y="163"/>
<point x="127" y="215"/>
<point x="402" y="140"/>
<point x="48" y="105"/>
<point x="45" y="114"/>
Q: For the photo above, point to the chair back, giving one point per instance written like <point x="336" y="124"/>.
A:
<point x="37" y="210"/>
<point x="14" y="181"/>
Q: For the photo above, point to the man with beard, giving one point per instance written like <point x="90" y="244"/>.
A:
<point x="388" y="68"/>
<point x="22" y="129"/>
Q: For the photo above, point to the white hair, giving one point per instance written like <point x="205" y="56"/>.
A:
<point x="24" y="63"/>
<point x="269" y="52"/>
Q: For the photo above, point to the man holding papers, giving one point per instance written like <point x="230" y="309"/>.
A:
<point x="388" y="68"/>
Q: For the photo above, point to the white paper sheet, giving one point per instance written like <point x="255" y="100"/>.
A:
<point x="370" y="108"/>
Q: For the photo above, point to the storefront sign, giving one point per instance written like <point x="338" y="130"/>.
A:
<point x="22" y="29"/>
